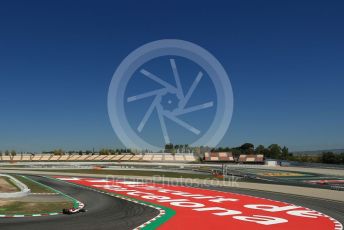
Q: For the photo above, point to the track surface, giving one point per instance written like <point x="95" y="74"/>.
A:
<point x="334" y="209"/>
<point x="107" y="212"/>
<point x="188" y="219"/>
<point x="104" y="212"/>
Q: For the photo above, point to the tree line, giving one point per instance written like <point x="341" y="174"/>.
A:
<point x="325" y="157"/>
<point x="8" y="153"/>
<point x="277" y="152"/>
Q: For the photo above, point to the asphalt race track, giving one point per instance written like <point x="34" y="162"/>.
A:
<point x="187" y="218"/>
<point x="104" y="212"/>
<point x="334" y="209"/>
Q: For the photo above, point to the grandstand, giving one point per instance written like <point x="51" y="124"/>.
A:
<point x="91" y="158"/>
<point x="157" y="158"/>
<point x="227" y="157"/>
<point x="26" y="158"/>
<point x="36" y="158"/>
<point x="126" y="157"/>
<point x="62" y="158"/>
<point x="212" y="157"/>
<point x="169" y="158"/>
<point x="82" y="157"/>
<point x="219" y="157"/>
<point x="107" y="158"/>
<point x="16" y="158"/>
<point x="117" y="157"/>
<point x="148" y="157"/>
<point x="74" y="158"/>
<point x="179" y="158"/>
<point x="47" y="157"/>
<point x="251" y="159"/>
<point x="55" y="158"/>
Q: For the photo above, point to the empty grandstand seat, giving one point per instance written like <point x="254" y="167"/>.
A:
<point x="92" y="157"/>
<point x="223" y="154"/>
<point x="214" y="158"/>
<point x="179" y="157"/>
<point x="169" y="158"/>
<point x="99" y="157"/>
<point x="260" y="158"/>
<point x="26" y="158"/>
<point x="242" y="158"/>
<point x="74" y="157"/>
<point x="36" y="157"/>
<point x="157" y="158"/>
<point x="55" y="158"/>
<point x="117" y="157"/>
<point x="219" y="156"/>
<point x="6" y="158"/>
<point x="136" y="158"/>
<point x="147" y="157"/>
<point x="214" y="154"/>
<point x="45" y="157"/>
<point x="251" y="158"/>
<point x="16" y="158"/>
<point x="107" y="158"/>
<point x="64" y="157"/>
<point x="207" y="156"/>
<point x="190" y="158"/>
<point x="126" y="157"/>
<point x="82" y="158"/>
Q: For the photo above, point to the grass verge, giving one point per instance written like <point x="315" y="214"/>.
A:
<point x="21" y="208"/>
<point x="35" y="187"/>
<point x="7" y="185"/>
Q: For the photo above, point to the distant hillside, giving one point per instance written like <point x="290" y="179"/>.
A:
<point x="317" y="152"/>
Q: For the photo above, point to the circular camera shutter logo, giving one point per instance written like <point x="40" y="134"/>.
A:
<point x="170" y="101"/>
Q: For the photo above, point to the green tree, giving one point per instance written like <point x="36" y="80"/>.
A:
<point x="341" y="157"/>
<point x="169" y="147"/>
<point x="275" y="151"/>
<point x="13" y="153"/>
<point x="260" y="149"/>
<point x="112" y="151"/>
<point x="328" y="157"/>
<point x="104" y="152"/>
<point x="58" y="152"/>
<point x="285" y="153"/>
<point x="247" y="148"/>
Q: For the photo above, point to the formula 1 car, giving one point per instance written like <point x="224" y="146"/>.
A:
<point x="70" y="211"/>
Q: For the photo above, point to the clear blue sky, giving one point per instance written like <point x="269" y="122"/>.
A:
<point x="285" y="60"/>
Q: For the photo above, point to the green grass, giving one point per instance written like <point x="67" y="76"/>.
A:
<point x="12" y="186"/>
<point x="35" y="187"/>
<point x="12" y="183"/>
<point x="18" y="207"/>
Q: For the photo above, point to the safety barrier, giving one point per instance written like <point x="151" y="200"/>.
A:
<point x="24" y="190"/>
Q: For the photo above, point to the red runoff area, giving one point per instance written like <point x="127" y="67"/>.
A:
<point x="198" y="208"/>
